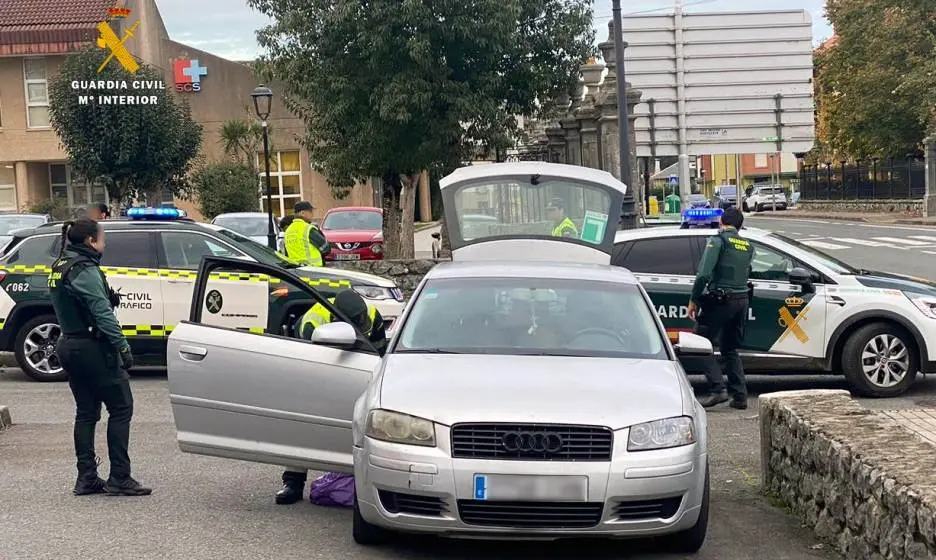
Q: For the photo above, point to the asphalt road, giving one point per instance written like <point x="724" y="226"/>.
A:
<point x="893" y="248"/>
<point x="206" y="508"/>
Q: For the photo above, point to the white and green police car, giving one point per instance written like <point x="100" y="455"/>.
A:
<point x="811" y="313"/>
<point x="151" y="259"/>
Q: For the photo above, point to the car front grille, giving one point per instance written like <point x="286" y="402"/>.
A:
<point x="530" y="515"/>
<point x="661" y="508"/>
<point x="487" y="441"/>
<point x="413" y="504"/>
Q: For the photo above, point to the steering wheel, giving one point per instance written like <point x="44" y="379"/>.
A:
<point x="599" y="331"/>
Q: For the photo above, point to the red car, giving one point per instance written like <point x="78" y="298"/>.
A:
<point x="355" y="233"/>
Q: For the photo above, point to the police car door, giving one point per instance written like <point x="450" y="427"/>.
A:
<point x="259" y="396"/>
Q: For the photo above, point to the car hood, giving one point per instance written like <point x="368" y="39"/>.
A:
<point x="356" y="278"/>
<point x="350" y="235"/>
<point x="891" y="281"/>
<point x="611" y="392"/>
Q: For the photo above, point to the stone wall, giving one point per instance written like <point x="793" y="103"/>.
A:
<point x="860" y="480"/>
<point x="905" y="208"/>
<point x="407" y="274"/>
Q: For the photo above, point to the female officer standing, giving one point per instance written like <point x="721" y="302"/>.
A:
<point x="95" y="354"/>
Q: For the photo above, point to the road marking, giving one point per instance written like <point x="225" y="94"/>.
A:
<point x="929" y="238"/>
<point x="823" y="245"/>
<point x="865" y="242"/>
<point x="902" y="241"/>
<point x="929" y="252"/>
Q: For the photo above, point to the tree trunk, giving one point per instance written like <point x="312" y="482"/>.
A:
<point x="390" y="201"/>
<point x="407" y="229"/>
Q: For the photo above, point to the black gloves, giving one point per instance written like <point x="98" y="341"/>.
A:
<point x="114" y="298"/>
<point x="126" y="358"/>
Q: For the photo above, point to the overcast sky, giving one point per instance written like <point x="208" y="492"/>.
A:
<point x="226" y="27"/>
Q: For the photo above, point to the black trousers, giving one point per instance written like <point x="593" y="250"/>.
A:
<point x="95" y="378"/>
<point x="723" y="324"/>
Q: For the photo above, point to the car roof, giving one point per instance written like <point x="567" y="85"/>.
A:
<point x="676" y="231"/>
<point x="354" y="209"/>
<point x="242" y="215"/>
<point x="142" y="225"/>
<point x="539" y="269"/>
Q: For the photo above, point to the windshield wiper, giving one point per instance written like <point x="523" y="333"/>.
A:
<point x="426" y="351"/>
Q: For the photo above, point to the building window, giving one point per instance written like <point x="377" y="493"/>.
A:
<point x="760" y="160"/>
<point x="285" y="182"/>
<point x="73" y="190"/>
<point x="37" y="93"/>
<point x="7" y="187"/>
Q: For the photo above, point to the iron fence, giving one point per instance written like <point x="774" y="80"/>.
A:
<point x="528" y="155"/>
<point x="891" y="178"/>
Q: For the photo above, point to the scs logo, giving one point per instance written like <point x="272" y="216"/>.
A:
<point x="188" y="74"/>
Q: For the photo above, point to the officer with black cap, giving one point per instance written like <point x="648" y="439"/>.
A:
<point x="562" y="225"/>
<point x="367" y="320"/>
<point x="719" y="305"/>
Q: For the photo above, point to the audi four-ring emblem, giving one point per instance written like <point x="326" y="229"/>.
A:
<point x="536" y="442"/>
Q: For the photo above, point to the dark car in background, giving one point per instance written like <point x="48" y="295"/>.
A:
<point x="725" y="196"/>
<point x="699" y="201"/>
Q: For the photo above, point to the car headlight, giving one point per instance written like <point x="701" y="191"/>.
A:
<point x="396" y="427"/>
<point x="661" y="434"/>
<point x="376" y="248"/>
<point x="374" y="292"/>
<point x="926" y="304"/>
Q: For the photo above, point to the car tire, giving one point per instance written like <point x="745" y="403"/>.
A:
<point x="869" y="337"/>
<point x="27" y="334"/>
<point x="692" y="539"/>
<point x="364" y="533"/>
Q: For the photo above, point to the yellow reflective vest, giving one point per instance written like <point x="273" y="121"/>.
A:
<point x="566" y="228"/>
<point x="318" y="315"/>
<point x="299" y="248"/>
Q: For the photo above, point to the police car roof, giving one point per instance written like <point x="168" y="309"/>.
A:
<point x="122" y="223"/>
<point x="676" y="231"/>
<point x="540" y="269"/>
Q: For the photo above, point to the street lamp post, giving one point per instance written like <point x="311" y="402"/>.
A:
<point x="263" y="99"/>
<point x="628" y="211"/>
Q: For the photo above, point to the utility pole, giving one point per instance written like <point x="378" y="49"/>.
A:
<point x="628" y="213"/>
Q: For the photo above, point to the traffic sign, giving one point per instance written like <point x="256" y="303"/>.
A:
<point x="674" y="179"/>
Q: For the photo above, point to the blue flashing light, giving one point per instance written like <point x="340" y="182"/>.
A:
<point x="702" y="214"/>
<point x="154" y="213"/>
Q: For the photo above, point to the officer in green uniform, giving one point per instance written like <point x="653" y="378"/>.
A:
<point x="305" y="243"/>
<point x="369" y="321"/>
<point x="95" y="354"/>
<point x="719" y="305"/>
<point x="564" y="227"/>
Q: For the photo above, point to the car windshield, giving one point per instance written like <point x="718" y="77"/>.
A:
<point x="697" y="197"/>
<point x="770" y="190"/>
<point x="254" y="226"/>
<point x="532" y="316"/>
<point x="9" y="224"/>
<point x="727" y="191"/>
<point x="833" y="264"/>
<point x="353" y="219"/>
<point x="258" y="251"/>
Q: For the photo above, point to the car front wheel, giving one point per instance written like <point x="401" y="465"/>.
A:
<point x="34" y="349"/>
<point x="880" y="360"/>
<point x="692" y="539"/>
<point x="364" y="533"/>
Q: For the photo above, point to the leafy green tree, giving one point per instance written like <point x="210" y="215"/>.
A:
<point x="133" y="150"/>
<point x="389" y="88"/>
<point x="225" y="187"/>
<point x="876" y="85"/>
<point x="242" y="139"/>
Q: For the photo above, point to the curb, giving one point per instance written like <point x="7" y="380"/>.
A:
<point x="791" y="215"/>
<point x="419" y="226"/>
<point x="7" y="359"/>
<point x="6" y="421"/>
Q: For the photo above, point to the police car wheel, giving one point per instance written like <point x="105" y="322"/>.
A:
<point x="880" y="360"/>
<point x="692" y="539"/>
<point x="34" y="349"/>
<point x="364" y="533"/>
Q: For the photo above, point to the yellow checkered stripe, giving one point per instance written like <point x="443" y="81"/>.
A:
<point x="254" y="330"/>
<point x="147" y="330"/>
<point x="326" y="282"/>
<point x="26" y="268"/>
<point x="145" y="273"/>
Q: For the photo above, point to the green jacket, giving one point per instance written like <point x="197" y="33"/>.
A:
<point x="81" y="297"/>
<point x="300" y="248"/>
<point x="725" y="264"/>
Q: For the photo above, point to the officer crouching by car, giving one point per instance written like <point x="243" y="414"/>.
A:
<point x="369" y="321"/>
<point x="719" y="306"/>
<point x="96" y="356"/>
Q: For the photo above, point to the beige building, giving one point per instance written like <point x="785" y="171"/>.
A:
<point x="35" y="36"/>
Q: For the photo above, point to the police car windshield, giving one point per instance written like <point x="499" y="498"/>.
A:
<point x="244" y="225"/>
<point x="11" y="223"/>
<point x="532" y="316"/>
<point x="833" y="264"/>
<point x="258" y="251"/>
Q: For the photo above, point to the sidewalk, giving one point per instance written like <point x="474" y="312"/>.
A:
<point x="879" y="218"/>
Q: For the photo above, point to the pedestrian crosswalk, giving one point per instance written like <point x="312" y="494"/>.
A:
<point x="923" y="243"/>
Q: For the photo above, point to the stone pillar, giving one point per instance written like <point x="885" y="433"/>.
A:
<point x="425" y="203"/>
<point x="929" y="196"/>
<point x="21" y="180"/>
<point x="607" y="102"/>
<point x="556" y="144"/>
<point x="587" y="115"/>
<point x="570" y="127"/>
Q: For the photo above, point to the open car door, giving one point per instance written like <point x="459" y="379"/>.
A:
<point x="264" y="397"/>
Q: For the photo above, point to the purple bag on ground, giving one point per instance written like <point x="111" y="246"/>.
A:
<point x="333" y="489"/>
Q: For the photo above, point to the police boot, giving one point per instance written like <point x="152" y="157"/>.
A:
<point x="126" y="487"/>
<point x="713" y="399"/>
<point x="290" y="493"/>
<point x="88" y="481"/>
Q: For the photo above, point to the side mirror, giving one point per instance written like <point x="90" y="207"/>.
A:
<point x="341" y="335"/>
<point x="691" y="344"/>
<point x="802" y="278"/>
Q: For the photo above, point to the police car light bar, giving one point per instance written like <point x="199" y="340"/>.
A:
<point x="154" y="213"/>
<point x="702" y="214"/>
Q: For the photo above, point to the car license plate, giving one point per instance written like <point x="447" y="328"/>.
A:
<point x="348" y="257"/>
<point x="509" y="487"/>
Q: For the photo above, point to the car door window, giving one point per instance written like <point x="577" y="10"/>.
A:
<point x="129" y="249"/>
<point x="184" y="250"/>
<point x="35" y="250"/>
<point x="769" y="264"/>
<point x="665" y="255"/>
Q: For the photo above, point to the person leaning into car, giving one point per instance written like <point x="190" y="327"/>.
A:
<point x="719" y="306"/>
<point x="366" y="318"/>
